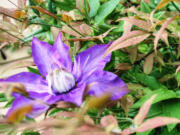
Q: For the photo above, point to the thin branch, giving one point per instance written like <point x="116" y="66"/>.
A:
<point x="14" y="4"/>
<point x="11" y="17"/>
<point x="11" y="34"/>
<point x="6" y="62"/>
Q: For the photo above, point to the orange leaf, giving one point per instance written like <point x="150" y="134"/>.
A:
<point x="156" y="122"/>
<point x="143" y="111"/>
<point x="19" y="88"/>
<point x="18" y="114"/>
<point x="66" y="18"/>
<point x="38" y="1"/>
<point x="129" y="39"/>
<point x="148" y="64"/>
<point x="19" y="14"/>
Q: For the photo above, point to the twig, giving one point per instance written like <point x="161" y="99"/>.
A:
<point x="14" y="4"/>
<point x="6" y="62"/>
<point x="175" y="6"/>
<point x="11" y="17"/>
<point x="11" y="34"/>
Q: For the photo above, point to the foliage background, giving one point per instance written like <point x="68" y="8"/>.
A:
<point x="145" y="54"/>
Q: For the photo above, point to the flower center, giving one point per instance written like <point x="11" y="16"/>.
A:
<point x="60" y="81"/>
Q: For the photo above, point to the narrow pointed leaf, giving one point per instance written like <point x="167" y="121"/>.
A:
<point x="148" y="64"/>
<point x="129" y="39"/>
<point x="156" y="122"/>
<point x="143" y="111"/>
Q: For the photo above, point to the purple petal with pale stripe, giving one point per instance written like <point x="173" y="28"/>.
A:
<point x="32" y="82"/>
<point x="21" y="101"/>
<point x="63" y="53"/>
<point x="48" y="58"/>
<point x="107" y="82"/>
<point x="89" y="61"/>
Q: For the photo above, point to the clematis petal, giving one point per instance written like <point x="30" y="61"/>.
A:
<point x="32" y="81"/>
<point x="74" y="96"/>
<point x="89" y="61"/>
<point x="63" y="53"/>
<point x="21" y="101"/>
<point x="44" y="59"/>
<point x="48" y="58"/>
<point x="106" y="82"/>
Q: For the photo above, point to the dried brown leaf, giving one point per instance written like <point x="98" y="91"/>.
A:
<point x="126" y="103"/>
<point x="129" y="39"/>
<point x="148" y="64"/>
<point x="133" y="52"/>
<point x="123" y="66"/>
<point x="143" y="111"/>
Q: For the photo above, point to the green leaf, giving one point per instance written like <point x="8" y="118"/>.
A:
<point x="33" y="70"/>
<point x="148" y="81"/>
<point x="32" y="3"/>
<point x="144" y="133"/>
<point x="2" y="97"/>
<point x="171" y="109"/>
<point x="66" y="5"/>
<point x="51" y="6"/>
<point x="178" y="76"/>
<point x="4" y="128"/>
<point x="94" y="6"/>
<point x="162" y="94"/>
<point x="144" y="7"/>
<point x="105" y="10"/>
<point x="30" y="133"/>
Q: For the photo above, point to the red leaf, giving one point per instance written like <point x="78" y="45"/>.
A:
<point x="161" y="31"/>
<point x="148" y="64"/>
<point x="108" y="120"/>
<point x="156" y="122"/>
<point x="129" y="39"/>
<point x="143" y="111"/>
<point x="44" y="11"/>
<point x="140" y="23"/>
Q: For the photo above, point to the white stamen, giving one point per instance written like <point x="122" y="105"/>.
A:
<point x="60" y="81"/>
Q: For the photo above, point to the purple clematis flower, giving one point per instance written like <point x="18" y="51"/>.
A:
<point x="64" y="80"/>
